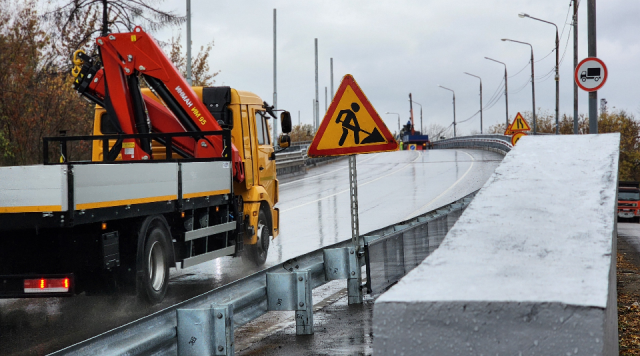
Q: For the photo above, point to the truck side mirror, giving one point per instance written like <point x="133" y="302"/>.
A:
<point x="285" y="122"/>
<point x="285" y="141"/>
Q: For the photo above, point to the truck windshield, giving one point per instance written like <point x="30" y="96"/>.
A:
<point x="628" y="196"/>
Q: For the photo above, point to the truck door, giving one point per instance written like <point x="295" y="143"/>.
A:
<point x="266" y="166"/>
<point x="247" y="145"/>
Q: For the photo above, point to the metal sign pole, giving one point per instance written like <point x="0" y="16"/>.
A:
<point x="355" y="278"/>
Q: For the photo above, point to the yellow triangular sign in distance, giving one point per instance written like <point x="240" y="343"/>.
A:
<point x="519" y="124"/>
<point x="508" y="131"/>
<point x="351" y="125"/>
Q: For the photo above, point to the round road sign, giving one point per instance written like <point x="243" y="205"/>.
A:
<point x="591" y="74"/>
<point x="516" y="137"/>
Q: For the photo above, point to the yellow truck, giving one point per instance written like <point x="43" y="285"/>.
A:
<point x="178" y="176"/>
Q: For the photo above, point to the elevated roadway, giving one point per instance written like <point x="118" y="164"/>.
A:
<point x="314" y="213"/>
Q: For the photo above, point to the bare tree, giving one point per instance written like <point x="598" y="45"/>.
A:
<point x="200" y="71"/>
<point x="115" y="13"/>
<point x="435" y="131"/>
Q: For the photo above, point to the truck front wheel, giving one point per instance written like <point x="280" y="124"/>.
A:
<point x="257" y="254"/>
<point x="153" y="263"/>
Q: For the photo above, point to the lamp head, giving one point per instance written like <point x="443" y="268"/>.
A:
<point x="504" y="39"/>
<point x="387" y="112"/>
<point x="523" y="15"/>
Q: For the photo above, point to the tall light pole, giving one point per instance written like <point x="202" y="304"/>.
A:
<point x="506" y="92"/>
<point x="533" y="85"/>
<point x="454" y="108"/>
<point x="593" y="52"/>
<point x="189" y="43"/>
<point x="316" y="104"/>
<point x="395" y="113"/>
<point x="275" y="87"/>
<point x="421" y="128"/>
<point x="331" y="65"/>
<point x="480" y="98"/>
<point x="557" y="64"/>
<point x="575" y="64"/>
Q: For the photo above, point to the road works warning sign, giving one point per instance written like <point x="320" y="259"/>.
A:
<point x="351" y="125"/>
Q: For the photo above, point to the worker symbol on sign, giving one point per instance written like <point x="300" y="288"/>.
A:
<point x="350" y="123"/>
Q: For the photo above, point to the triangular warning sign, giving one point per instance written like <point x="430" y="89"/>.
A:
<point x="351" y="125"/>
<point x="519" y="124"/>
<point x="508" y="131"/>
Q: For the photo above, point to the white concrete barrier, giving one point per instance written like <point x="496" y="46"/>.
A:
<point x="528" y="269"/>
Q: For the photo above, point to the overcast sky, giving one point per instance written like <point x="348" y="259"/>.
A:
<point x="393" y="48"/>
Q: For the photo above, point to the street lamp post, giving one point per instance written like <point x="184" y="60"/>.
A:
<point x="395" y="113"/>
<point x="421" y="128"/>
<point x="557" y="64"/>
<point x="533" y="85"/>
<point x="480" y="98"/>
<point x="506" y="93"/>
<point x="454" y="108"/>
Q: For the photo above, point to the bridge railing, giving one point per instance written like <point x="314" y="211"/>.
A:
<point x="496" y="143"/>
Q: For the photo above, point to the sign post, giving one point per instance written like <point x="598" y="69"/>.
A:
<point x="352" y="126"/>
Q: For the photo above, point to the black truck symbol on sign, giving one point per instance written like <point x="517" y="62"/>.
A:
<point x="590" y="73"/>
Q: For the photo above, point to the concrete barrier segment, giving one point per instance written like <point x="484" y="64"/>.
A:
<point x="528" y="269"/>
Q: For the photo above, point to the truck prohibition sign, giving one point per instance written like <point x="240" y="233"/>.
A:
<point x="591" y="74"/>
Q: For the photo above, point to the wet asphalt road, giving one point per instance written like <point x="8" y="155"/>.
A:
<point x="314" y="212"/>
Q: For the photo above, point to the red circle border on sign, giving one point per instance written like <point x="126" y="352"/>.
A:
<point x="604" y="80"/>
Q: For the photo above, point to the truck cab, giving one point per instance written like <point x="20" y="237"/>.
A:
<point x="628" y="201"/>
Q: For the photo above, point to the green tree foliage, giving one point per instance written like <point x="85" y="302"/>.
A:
<point x="36" y="99"/>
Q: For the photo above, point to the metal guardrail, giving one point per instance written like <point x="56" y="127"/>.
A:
<point x="496" y="143"/>
<point x="290" y="162"/>
<point x="391" y="257"/>
<point x="294" y="159"/>
<point x="204" y="324"/>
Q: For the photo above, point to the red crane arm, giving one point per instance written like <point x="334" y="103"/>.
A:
<point x="124" y="57"/>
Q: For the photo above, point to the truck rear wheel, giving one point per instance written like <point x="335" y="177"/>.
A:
<point x="153" y="263"/>
<point x="257" y="254"/>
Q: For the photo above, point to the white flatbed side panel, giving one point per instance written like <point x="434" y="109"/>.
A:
<point x="106" y="185"/>
<point x="205" y="178"/>
<point x="37" y="188"/>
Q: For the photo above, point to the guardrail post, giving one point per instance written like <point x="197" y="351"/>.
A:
<point x="342" y="263"/>
<point x="292" y="291"/>
<point x="205" y="331"/>
<point x="354" y="283"/>
<point x="223" y="330"/>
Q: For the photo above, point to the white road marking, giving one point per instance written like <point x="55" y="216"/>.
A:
<point x="422" y="209"/>
<point x="321" y="174"/>
<point x="359" y="185"/>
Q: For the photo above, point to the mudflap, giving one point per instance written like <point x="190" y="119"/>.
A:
<point x="275" y="213"/>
